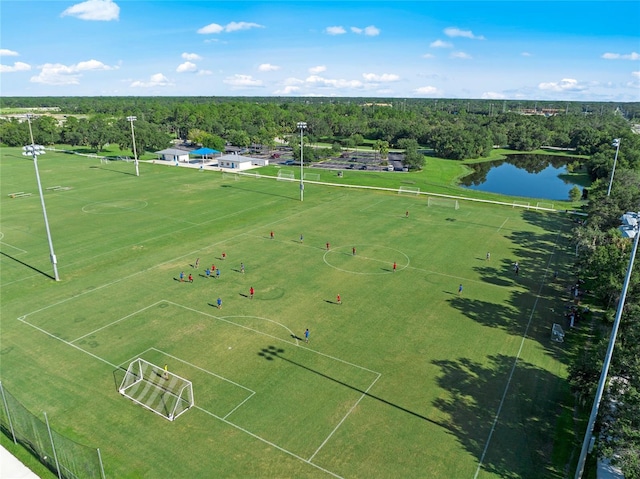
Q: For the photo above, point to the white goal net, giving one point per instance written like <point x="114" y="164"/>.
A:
<point x="156" y="389"/>
<point x="312" y="176"/>
<point x="445" y="202"/>
<point x="229" y="176"/>
<point x="284" y="175"/>
<point x="408" y="190"/>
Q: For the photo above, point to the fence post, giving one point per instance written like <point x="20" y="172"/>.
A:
<point x="53" y="446"/>
<point x="6" y="408"/>
<point x="101" y="466"/>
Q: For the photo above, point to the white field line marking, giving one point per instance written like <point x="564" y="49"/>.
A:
<point x="114" y="366"/>
<point x="503" y="223"/>
<point x="116" y="321"/>
<point x="515" y="362"/>
<point x="202" y="369"/>
<point x="344" y="418"/>
<point x="219" y="318"/>
<point x="372" y="205"/>
<point x="269" y="443"/>
<point x="217" y="376"/>
<point x="11" y="246"/>
<point x="195" y="407"/>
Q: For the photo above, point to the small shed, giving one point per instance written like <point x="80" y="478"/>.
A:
<point x="235" y="162"/>
<point x="173" y="154"/>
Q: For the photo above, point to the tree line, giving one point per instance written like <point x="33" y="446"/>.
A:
<point x="452" y="129"/>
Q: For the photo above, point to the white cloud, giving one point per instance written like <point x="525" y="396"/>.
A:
<point x="155" y="80"/>
<point x="293" y="81"/>
<point x="205" y="72"/>
<point x="316" y="80"/>
<point x="237" y="26"/>
<point x="186" y="67"/>
<point x="287" y="90"/>
<point x="371" y="31"/>
<point x="636" y="74"/>
<point x="4" y="52"/>
<point x="192" y="57"/>
<point x="268" y="67"/>
<point x="440" y="44"/>
<point x="59" y="74"/>
<point x="17" y="67"/>
<point x="385" y="77"/>
<point x="427" y="90"/>
<point x="621" y="56"/>
<point x="335" y="30"/>
<point x="428" y="55"/>
<point x="242" y="81"/>
<point x="456" y="32"/>
<point x="492" y="95"/>
<point x="317" y="69"/>
<point x="102" y="10"/>
<point x="525" y="54"/>
<point x="566" y="84"/>
<point x="635" y="83"/>
<point x="230" y="27"/>
<point x="460" y="55"/>
<point x="211" y="28"/>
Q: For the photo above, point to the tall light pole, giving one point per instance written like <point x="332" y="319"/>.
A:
<point x="131" y="119"/>
<point x="34" y="150"/>
<point x="631" y="230"/>
<point x="615" y="143"/>
<point x="301" y="126"/>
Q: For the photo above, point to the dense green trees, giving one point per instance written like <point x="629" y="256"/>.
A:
<point x="603" y="261"/>
<point x="454" y="129"/>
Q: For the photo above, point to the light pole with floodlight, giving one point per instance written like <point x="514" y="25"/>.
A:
<point x="133" y="137"/>
<point x="301" y="126"/>
<point x="615" y="143"/>
<point x="34" y="150"/>
<point x="631" y="229"/>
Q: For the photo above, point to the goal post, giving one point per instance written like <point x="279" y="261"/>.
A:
<point x="284" y="175"/>
<point x="408" y="190"/>
<point x="157" y="389"/>
<point x="557" y="333"/>
<point x="312" y="176"/>
<point x="445" y="202"/>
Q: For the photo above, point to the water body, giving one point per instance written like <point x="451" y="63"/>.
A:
<point x="530" y="176"/>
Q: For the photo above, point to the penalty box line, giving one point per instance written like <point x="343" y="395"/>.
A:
<point x="206" y="371"/>
<point x="275" y="446"/>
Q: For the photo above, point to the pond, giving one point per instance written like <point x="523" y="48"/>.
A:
<point x="531" y="176"/>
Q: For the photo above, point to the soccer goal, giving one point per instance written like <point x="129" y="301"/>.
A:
<point x="540" y="204"/>
<point x="408" y="190"/>
<point x="445" y="202"/>
<point x="312" y="176"/>
<point x="520" y="204"/>
<point x="229" y="176"/>
<point x="157" y="389"/>
<point x="284" y="175"/>
<point x="557" y="333"/>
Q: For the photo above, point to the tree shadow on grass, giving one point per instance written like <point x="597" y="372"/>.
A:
<point x="520" y="443"/>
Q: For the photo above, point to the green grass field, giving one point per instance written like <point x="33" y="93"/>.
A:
<point x="406" y="378"/>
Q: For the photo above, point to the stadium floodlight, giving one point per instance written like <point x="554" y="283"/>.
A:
<point x="301" y="126"/>
<point x="131" y="119"/>
<point x="615" y="143"/>
<point x="34" y="150"/>
<point x="631" y="229"/>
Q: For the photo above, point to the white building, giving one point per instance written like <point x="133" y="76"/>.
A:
<point x="173" y="154"/>
<point x="237" y="162"/>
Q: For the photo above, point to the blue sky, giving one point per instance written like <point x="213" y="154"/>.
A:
<point x="561" y="50"/>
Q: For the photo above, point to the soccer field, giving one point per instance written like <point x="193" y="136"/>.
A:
<point x="408" y="377"/>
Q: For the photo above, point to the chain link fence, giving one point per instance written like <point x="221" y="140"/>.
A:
<point x="63" y="456"/>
